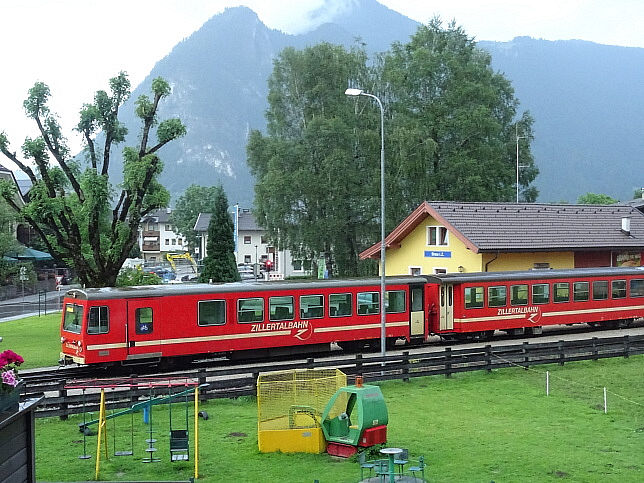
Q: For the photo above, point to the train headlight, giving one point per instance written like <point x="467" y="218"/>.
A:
<point x="62" y="340"/>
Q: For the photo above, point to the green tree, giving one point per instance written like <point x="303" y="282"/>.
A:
<point x="316" y="189"/>
<point x="196" y="199"/>
<point x="71" y="203"/>
<point x="451" y="127"/>
<point x="129" y="277"/>
<point x="219" y="264"/>
<point x="596" y="199"/>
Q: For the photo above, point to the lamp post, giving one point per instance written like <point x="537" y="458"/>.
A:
<point x="516" y="126"/>
<point x="383" y="319"/>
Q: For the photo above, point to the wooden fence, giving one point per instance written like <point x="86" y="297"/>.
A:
<point x="239" y="381"/>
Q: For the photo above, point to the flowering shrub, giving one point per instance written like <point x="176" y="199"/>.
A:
<point x="9" y="362"/>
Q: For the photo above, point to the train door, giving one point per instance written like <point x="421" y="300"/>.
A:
<point x="416" y="312"/>
<point x="142" y="329"/>
<point x="446" y="307"/>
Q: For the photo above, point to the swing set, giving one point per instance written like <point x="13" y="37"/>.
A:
<point x="179" y="436"/>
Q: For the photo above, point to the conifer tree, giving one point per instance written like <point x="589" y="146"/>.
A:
<point x="219" y="264"/>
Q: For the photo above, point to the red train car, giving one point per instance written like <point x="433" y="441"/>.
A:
<point x="520" y="302"/>
<point x="151" y="323"/>
<point x="140" y="324"/>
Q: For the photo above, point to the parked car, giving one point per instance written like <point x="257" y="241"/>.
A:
<point x="246" y="272"/>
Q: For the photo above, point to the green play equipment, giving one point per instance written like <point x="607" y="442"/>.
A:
<point x="355" y="416"/>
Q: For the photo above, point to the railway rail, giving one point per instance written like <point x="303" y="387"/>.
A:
<point x="233" y="380"/>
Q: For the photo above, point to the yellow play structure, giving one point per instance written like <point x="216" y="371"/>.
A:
<point x="290" y="406"/>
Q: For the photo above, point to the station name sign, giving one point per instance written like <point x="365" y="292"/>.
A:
<point x="437" y="254"/>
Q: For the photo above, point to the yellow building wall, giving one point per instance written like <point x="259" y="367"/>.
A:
<point x="526" y="261"/>
<point x="413" y="253"/>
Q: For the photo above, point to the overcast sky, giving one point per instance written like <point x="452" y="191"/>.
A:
<point x="76" y="45"/>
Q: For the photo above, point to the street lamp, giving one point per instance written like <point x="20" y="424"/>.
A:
<point x="383" y="319"/>
<point x="518" y="137"/>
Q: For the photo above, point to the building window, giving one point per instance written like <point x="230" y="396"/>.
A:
<point x="167" y="241"/>
<point x="263" y="239"/>
<point x="297" y="265"/>
<point x="152" y="227"/>
<point x="168" y="228"/>
<point x="174" y="241"/>
<point x="415" y="271"/>
<point x="180" y="241"/>
<point x="439" y="271"/>
<point x="247" y="259"/>
<point x="247" y="239"/>
<point x="437" y="236"/>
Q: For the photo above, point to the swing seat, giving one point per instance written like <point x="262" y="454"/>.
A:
<point x="179" y="448"/>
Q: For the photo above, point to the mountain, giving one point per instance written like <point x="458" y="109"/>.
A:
<point x="588" y="104"/>
<point x="585" y="99"/>
<point x="219" y="89"/>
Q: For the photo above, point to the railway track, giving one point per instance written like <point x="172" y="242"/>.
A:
<point x="53" y="375"/>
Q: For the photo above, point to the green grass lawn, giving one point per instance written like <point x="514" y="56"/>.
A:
<point x="36" y="339"/>
<point x="474" y="427"/>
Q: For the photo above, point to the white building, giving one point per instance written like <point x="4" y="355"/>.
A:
<point x="157" y="237"/>
<point x="252" y="245"/>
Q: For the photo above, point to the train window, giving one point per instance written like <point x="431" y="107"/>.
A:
<point x="98" y="321"/>
<point x="395" y="302"/>
<point x="618" y="289"/>
<point x="497" y="296"/>
<point x="73" y="318"/>
<point x="339" y="304"/>
<point x="561" y="292"/>
<point x="519" y="295"/>
<point x="473" y="297"/>
<point x="250" y="310"/>
<point x="416" y="299"/>
<point x="637" y="287"/>
<point x="311" y="306"/>
<point x="368" y="303"/>
<point x="540" y="293"/>
<point x="580" y="291"/>
<point x="212" y="312"/>
<point x="600" y="290"/>
<point x="281" y="308"/>
<point x="143" y="320"/>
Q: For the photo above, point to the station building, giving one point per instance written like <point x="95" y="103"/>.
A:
<point x="442" y="237"/>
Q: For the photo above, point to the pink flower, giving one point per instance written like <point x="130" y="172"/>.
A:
<point x="9" y="378"/>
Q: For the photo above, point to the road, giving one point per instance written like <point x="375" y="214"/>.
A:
<point x="37" y="304"/>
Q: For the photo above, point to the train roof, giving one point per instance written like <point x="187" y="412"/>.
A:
<point x="537" y="274"/>
<point x="144" y="291"/>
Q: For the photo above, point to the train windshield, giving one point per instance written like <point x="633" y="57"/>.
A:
<point x="73" y="318"/>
